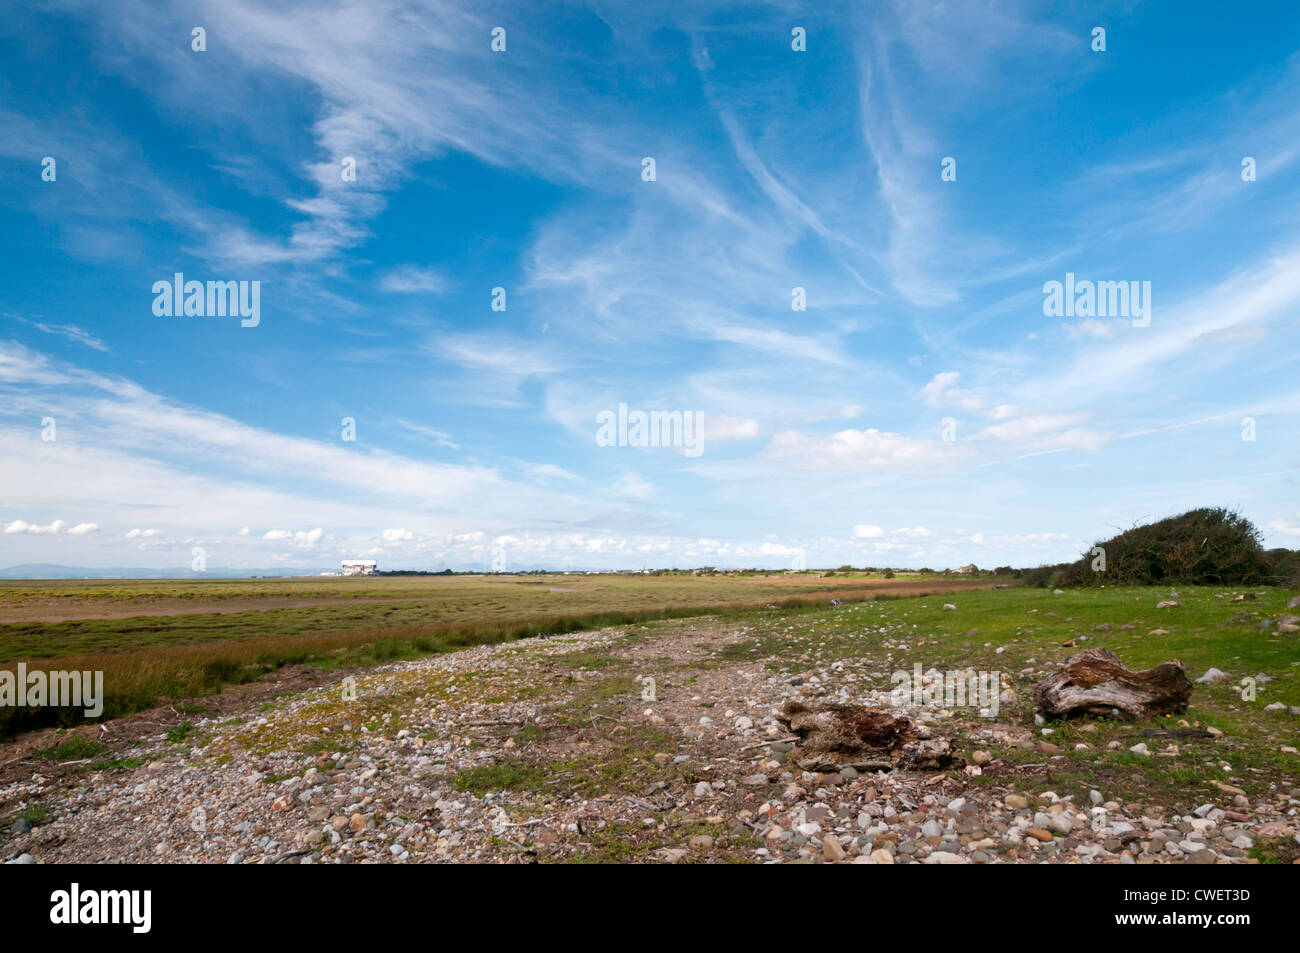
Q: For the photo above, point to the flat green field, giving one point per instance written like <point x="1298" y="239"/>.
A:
<point x="1022" y="633"/>
<point x="559" y="728"/>
<point x="175" y="639"/>
<point x="58" y="619"/>
<point x="1029" y="626"/>
<point x="168" y="640"/>
<point x="1205" y="630"/>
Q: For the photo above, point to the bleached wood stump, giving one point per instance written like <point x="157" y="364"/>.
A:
<point x="1096" y="682"/>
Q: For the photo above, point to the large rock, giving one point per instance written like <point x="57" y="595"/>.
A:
<point x="834" y="736"/>
<point x="1094" y="681"/>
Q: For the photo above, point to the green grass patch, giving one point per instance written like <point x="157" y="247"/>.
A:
<point x="75" y="748"/>
<point x="34" y="814"/>
<point x="502" y="776"/>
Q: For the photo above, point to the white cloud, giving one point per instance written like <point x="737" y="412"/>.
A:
<point x="932" y="393"/>
<point x="83" y="528"/>
<point x="1043" y="433"/>
<point x="22" y="526"/>
<point x="142" y="533"/>
<point x="117" y="417"/>
<point x="855" y="449"/>
<point x="867" y="531"/>
<point x="437" y="437"/>
<point x="1091" y="327"/>
<point x="549" y="471"/>
<point x="497" y="353"/>
<point x="777" y="549"/>
<point x="1028" y="539"/>
<point x="780" y="342"/>
<point x="411" y="279"/>
<point x="942" y="391"/>
<point x="69" y="331"/>
<point x="722" y="427"/>
<point x="631" y="486"/>
<point x="306" y="538"/>
<point x="1033" y="425"/>
<point x="1252" y="295"/>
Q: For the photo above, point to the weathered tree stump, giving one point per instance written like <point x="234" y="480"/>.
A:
<point x="834" y="736"/>
<point x="1095" y="682"/>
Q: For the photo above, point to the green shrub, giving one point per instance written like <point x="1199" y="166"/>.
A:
<point x="1208" y="546"/>
<point x="1285" y="565"/>
<point x="1044" y="576"/>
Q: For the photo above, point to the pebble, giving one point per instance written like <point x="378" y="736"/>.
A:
<point x="944" y="857"/>
<point x="832" y="850"/>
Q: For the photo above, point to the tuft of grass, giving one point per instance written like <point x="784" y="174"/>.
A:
<point x="1280" y="851"/>
<point x="503" y="776"/>
<point x="588" y="659"/>
<point x="123" y="764"/>
<point x="75" y="748"/>
<point x="34" y="814"/>
<point x="185" y="709"/>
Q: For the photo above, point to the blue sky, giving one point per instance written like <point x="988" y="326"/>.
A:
<point x="825" y="431"/>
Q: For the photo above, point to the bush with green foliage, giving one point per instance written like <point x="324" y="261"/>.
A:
<point x="1286" y="566"/>
<point x="1043" y="576"/>
<point x="1207" y="546"/>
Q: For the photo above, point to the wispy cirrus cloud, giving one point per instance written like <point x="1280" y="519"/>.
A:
<point x="69" y="331"/>
<point x="412" y="279"/>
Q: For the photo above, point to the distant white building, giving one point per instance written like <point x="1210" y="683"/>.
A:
<point x="359" y="567"/>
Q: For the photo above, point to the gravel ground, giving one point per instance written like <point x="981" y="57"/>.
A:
<point x="547" y="750"/>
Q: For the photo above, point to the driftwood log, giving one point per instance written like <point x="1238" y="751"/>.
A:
<point x="832" y="736"/>
<point x="1095" y="682"/>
